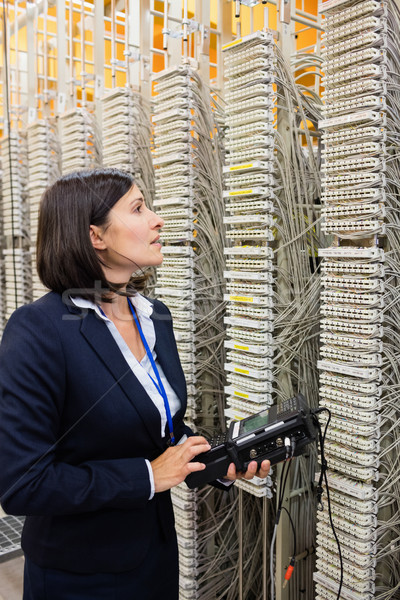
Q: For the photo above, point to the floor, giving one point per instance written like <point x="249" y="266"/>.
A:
<point x="11" y="579"/>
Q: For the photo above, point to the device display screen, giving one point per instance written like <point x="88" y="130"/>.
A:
<point x="252" y="423"/>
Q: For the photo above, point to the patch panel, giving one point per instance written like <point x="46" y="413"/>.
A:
<point x="248" y="208"/>
<point x="169" y="93"/>
<point x="362" y="86"/>
<point x="341" y="32"/>
<point x="358" y="506"/>
<point x="172" y="111"/>
<point x="358" y="570"/>
<point x="168" y="139"/>
<point x="250" y="385"/>
<point x="251" y="64"/>
<point x="248" y="92"/>
<point x="250" y="234"/>
<point x="251" y="311"/>
<point x="175" y="213"/>
<point x="360" y="372"/>
<point x="368" y="163"/>
<point x="359" y="299"/>
<point x="250" y="180"/>
<point x="344" y="421"/>
<point x="257" y="362"/>
<point x="345" y="228"/>
<point x="261" y="140"/>
<point x="356" y="134"/>
<point x="352" y="341"/>
<point x="250" y="323"/>
<point x="353" y="283"/>
<point x="353" y="58"/>
<point x="172" y="200"/>
<point x="362" y="148"/>
<point x="171" y="169"/>
<point x="352" y="313"/>
<point x="251" y="116"/>
<point x="177" y="236"/>
<point x="248" y="336"/>
<point x="370" y="270"/>
<point x="360" y="387"/>
<point x="264" y="276"/>
<point x="249" y="130"/>
<point x="258" y="219"/>
<point x="170" y="153"/>
<point x="246" y="288"/>
<point x="260" y="490"/>
<point x="354" y="578"/>
<point x="263" y="102"/>
<point x="368" y="7"/>
<point x="351" y="357"/>
<point x="256" y="153"/>
<point x="334" y="587"/>
<point x="265" y="301"/>
<point x="245" y="167"/>
<point x="240" y="409"/>
<point x="179" y="127"/>
<point x="356" y="489"/>
<point x="249" y="264"/>
<point x="256" y="191"/>
<point x="350" y="409"/>
<point x="356" y="179"/>
<point x="356" y="464"/>
<point x="248" y="79"/>
<point x="256" y="349"/>
<point x="173" y="192"/>
<point x="363" y="118"/>
<point x="347" y="525"/>
<point x="365" y="253"/>
<point x="368" y="445"/>
<point x="178" y="292"/>
<point x="264" y="399"/>
<point x="260" y="375"/>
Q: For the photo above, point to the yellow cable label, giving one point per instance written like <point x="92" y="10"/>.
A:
<point x="234" y="43"/>
<point x="240" y="192"/>
<point x="240" y="347"/>
<point x="237" y="167"/>
<point x="244" y="371"/>
<point x="241" y="394"/>
<point x="240" y="299"/>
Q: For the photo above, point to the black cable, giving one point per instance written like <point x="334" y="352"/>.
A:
<point x="323" y="477"/>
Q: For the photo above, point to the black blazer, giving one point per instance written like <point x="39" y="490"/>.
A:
<point x="75" y="428"/>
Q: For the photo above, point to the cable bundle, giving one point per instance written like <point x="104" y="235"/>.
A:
<point x="126" y="137"/>
<point x="43" y="163"/>
<point x="188" y="196"/>
<point x="249" y="177"/>
<point x="361" y="200"/>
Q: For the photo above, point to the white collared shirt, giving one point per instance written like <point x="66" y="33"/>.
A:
<point x="143" y="369"/>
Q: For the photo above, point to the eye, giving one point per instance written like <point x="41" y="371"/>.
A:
<point x="138" y="208"/>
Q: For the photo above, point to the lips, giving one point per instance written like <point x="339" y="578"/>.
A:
<point x="156" y="240"/>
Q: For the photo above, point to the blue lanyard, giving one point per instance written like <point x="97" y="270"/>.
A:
<point x="159" y="384"/>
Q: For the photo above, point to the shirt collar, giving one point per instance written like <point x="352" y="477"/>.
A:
<point x="143" y="306"/>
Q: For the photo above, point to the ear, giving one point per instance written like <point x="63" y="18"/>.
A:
<point x="96" y="239"/>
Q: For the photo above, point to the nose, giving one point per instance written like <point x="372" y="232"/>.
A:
<point x="156" y="221"/>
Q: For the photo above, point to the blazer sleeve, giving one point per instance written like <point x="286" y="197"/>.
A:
<point x="32" y="391"/>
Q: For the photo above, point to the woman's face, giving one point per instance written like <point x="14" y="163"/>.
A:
<point x="130" y="240"/>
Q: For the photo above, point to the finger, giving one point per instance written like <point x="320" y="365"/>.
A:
<point x="195" y="440"/>
<point x="231" y="473"/>
<point x="264" y="469"/>
<point x="251" y="470"/>
<point x="195" y="466"/>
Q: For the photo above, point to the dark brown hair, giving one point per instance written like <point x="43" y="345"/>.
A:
<point x="66" y="259"/>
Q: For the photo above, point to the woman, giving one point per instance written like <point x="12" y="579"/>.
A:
<point x="92" y="399"/>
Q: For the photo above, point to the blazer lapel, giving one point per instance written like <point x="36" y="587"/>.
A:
<point x="168" y="357"/>
<point x="100" y="339"/>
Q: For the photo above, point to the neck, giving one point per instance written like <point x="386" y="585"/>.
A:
<point x="117" y="309"/>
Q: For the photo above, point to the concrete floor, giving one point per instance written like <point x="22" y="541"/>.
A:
<point x="11" y="573"/>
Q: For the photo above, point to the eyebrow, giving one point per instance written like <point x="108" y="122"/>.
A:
<point x="138" y="199"/>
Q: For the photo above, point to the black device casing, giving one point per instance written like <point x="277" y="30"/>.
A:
<point x="268" y="443"/>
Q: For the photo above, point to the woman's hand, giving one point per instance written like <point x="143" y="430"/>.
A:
<point x="173" y="465"/>
<point x="262" y="472"/>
